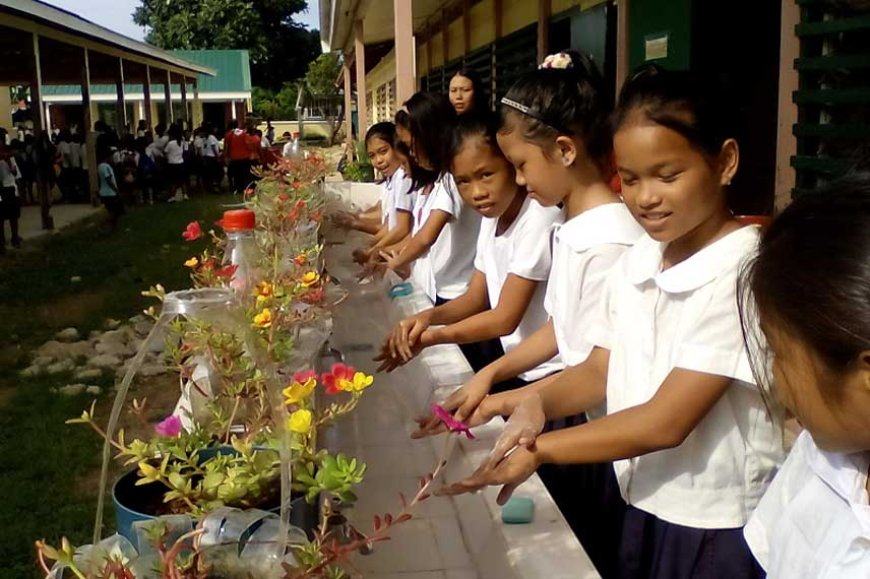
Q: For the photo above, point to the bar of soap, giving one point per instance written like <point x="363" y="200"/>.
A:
<point x="518" y="510"/>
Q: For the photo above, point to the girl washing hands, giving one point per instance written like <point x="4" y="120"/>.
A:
<point x="506" y="294"/>
<point x="693" y="443"/>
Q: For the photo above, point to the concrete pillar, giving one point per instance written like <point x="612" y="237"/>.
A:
<point x="786" y="143"/>
<point x="149" y="108"/>
<point x="197" y="105"/>
<point x="185" y="114"/>
<point x="622" y="43"/>
<point x="6" y="110"/>
<point x="543" y="29"/>
<point x="359" y="51"/>
<point x="40" y="123"/>
<point x="404" y="35"/>
<point x="348" y="110"/>
<point x="121" y="104"/>
<point x="167" y="99"/>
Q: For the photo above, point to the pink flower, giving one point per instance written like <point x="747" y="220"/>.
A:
<point x="193" y="231"/>
<point x="451" y="423"/>
<point x="333" y="380"/>
<point x="170" y="427"/>
<point x="304" y="376"/>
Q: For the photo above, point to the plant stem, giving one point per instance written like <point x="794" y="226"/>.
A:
<point x="232" y="417"/>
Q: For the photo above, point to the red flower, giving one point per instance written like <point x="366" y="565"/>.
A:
<point x="300" y="259"/>
<point x="304" y="376"/>
<point x="193" y="231"/>
<point x="228" y="271"/>
<point x="314" y="296"/>
<point x="338" y="372"/>
<point x="209" y="263"/>
<point x="315" y="216"/>
<point x="300" y="204"/>
<point x="293" y="215"/>
<point x="283" y="197"/>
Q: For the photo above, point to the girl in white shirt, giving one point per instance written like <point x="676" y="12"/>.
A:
<point x="693" y="443"/>
<point x="505" y="298"/>
<point x="174" y="151"/>
<point x="397" y="197"/>
<point x="810" y="287"/>
<point x="442" y="244"/>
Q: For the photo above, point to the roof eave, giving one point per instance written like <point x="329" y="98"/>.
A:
<point x="76" y="25"/>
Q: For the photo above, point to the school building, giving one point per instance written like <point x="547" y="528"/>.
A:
<point x="222" y="98"/>
<point x="798" y="67"/>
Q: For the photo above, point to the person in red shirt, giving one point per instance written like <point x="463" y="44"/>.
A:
<point x="237" y="158"/>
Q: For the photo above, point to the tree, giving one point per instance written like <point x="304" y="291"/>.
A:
<point x="280" y="48"/>
<point x="280" y="105"/>
<point x="319" y="85"/>
<point x="321" y="75"/>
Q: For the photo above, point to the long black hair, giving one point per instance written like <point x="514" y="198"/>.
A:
<point x="431" y="121"/>
<point x="549" y="102"/>
<point x="811" y="276"/>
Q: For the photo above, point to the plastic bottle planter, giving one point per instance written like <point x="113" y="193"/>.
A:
<point x="136" y="504"/>
<point x="235" y="543"/>
<point x="217" y="308"/>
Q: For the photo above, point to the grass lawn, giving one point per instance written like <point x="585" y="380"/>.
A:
<point x="47" y="468"/>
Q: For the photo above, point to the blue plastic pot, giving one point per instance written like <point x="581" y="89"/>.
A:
<point x="140" y="503"/>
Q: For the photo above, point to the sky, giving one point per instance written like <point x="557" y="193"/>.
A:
<point x="117" y="15"/>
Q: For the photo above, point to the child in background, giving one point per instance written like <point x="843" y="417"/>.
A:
<point x="379" y="147"/>
<point x="110" y="195"/>
<point x="811" y="285"/>
<point x="693" y="443"/>
<point x="397" y="199"/>
<point x="505" y="297"/>
<point x="441" y="248"/>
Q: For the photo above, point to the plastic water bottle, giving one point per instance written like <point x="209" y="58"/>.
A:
<point x="241" y="251"/>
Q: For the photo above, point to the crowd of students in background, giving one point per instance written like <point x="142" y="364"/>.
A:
<point x="645" y="346"/>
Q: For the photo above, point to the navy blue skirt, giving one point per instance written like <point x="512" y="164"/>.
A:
<point x="654" y="549"/>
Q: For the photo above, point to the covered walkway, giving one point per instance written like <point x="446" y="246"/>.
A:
<point x="43" y="45"/>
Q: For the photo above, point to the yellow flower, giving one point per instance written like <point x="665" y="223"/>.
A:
<point x="360" y="382"/>
<point x="264" y="289"/>
<point x="310" y="278"/>
<point x="263" y="319"/>
<point x="299" y="391"/>
<point x="300" y="422"/>
<point x="192" y="262"/>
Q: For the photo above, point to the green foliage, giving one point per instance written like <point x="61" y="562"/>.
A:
<point x="359" y="172"/>
<point x="280" y="48"/>
<point x="321" y="75"/>
<point x="280" y="105"/>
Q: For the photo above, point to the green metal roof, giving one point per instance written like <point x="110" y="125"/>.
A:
<point x="233" y="69"/>
<point x="232" y="66"/>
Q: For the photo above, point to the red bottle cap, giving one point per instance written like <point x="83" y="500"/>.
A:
<point x="239" y="220"/>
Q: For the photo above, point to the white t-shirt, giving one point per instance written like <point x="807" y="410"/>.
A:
<point x="8" y="174"/>
<point x="64" y="149"/>
<point x="198" y="144"/>
<point x="421" y="269"/>
<point x="523" y="249"/>
<point x="211" y="147"/>
<point x="75" y="156"/>
<point x="452" y="254"/>
<point x="584" y="250"/>
<point x="174" y="153"/>
<point x="654" y="321"/>
<point x="159" y="146"/>
<point x="814" y="520"/>
<point x="396" y="196"/>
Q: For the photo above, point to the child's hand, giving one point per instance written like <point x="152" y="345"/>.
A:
<point x="523" y="427"/>
<point x="511" y="472"/>
<point x="361" y="256"/>
<point x="405" y="339"/>
<point x="482" y="413"/>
